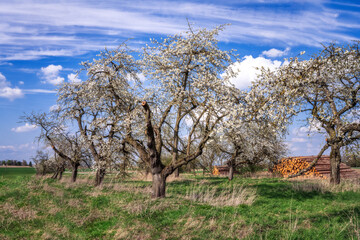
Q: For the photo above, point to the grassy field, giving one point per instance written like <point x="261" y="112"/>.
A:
<point x="195" y="208"/>
<point x="11" y="172"/>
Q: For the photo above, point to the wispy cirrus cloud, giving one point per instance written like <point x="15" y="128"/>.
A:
<point x="18" y="147"/>
<point x="30" y="26"/>
<point x="34" y="91"/>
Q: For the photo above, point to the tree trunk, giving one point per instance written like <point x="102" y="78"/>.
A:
<point x="231" y="172"/>
<point x="74" y="172"/>
<point x="252" y="167"/>
<point x="54" y="176"/>
<point x="335" y="160"/>
<point x="177" y="173"/>
<point x="158" y="185"/>
<point x="100" y="174"/>
<point x="60" y="174"/>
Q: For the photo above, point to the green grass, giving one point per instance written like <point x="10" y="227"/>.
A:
<point x="37" y="208"/>
<point x="9" y="172"/>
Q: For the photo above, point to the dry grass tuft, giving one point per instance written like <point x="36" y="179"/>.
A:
<point x="230" y="228"/>
<point x="19" y="213"/>
<point x="55" y="191"/>
<point x="354" y="225"/>
<point x="258" y="175"/>
<point x="81" y="180"/>
<point x="139" y="176"/>
<point x="92" y="215"/>
<point x="138" y="230"/>
<point x="221" y="197"/>
<point x="55" y="229"/>
<point x="120" y="187"/>
<point x="148" y="205"/>
<point x="320" y="185"/>
<point x="74" y="203"/>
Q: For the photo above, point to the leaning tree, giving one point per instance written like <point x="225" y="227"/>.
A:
<point x="327" y="88"/>
<point x="66" y="144"/>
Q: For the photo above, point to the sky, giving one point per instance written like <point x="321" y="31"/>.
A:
<point x="43" y="42"/>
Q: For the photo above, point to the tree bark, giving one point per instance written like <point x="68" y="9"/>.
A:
<point x="74" y="172"/>
<point x="231" y="172"/>
<point x="100" y="174"/>
<point x="177" y="173"/>
<point x="158" y="185"/>
<point x="55" y="175"/>
<point x="335" y="160"/>
<point x="60" y="174"/>
<point x="231" y="165"/>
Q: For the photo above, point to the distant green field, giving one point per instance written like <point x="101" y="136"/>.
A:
<point x="14" y="172"/>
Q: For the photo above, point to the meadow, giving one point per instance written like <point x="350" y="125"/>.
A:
<point x="196" y="207"/>
<point x="11" y="172"/>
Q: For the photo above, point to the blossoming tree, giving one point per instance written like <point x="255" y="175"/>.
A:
<point x="327" y="88"/>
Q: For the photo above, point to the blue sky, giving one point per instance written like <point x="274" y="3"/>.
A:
<point x="43" y="42"/>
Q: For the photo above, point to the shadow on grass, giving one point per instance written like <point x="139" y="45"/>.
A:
<point x="285" y="191"/>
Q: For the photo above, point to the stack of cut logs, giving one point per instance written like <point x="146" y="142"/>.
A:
<point x="290" y="166"/>
<point x="293" y="165"/>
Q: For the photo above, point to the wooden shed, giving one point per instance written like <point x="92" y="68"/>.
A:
<point x="292" y="165"/>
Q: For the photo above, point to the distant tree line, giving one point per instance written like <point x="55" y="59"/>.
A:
<point x="15" y="163"/>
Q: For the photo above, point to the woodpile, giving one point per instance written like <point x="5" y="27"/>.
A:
<point x="292" y="165"/>
<point x="222" y="170"/>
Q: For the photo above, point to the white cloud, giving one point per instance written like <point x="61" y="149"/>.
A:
<point x="3" y="82"/>
<point x="25" y="128"/>
<point x="33" y="30"/>
<point x="273" y="53"/>
<point x="248" y="70"/>
<point x="7" y="92"/>
<point x="51" y="74"/>
<point x="142" y="77"/>
<point x="54" y="107"/>
<point x="73" y="78"/>
<point x="38" y="54"/>
<point x="32" y="91"/>
<point x="298" y="139"/>
<point x="25" y="146"/>
<point x="7" y="147"/>
<point x="11" y="93"/>
<point x="21" y="83"/>
<point x="313" y="127"/>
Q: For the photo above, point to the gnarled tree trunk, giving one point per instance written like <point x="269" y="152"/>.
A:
<point x="335" y="160"/>
<point x="158" y="185"/>
<point x="100" y="174"/>
<point x="231" y="172"/>
<point x="231" y="165"/>
<point x="55" y="175"/>
<point x="75" y="167"/>
<point x="61" y="174"/>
